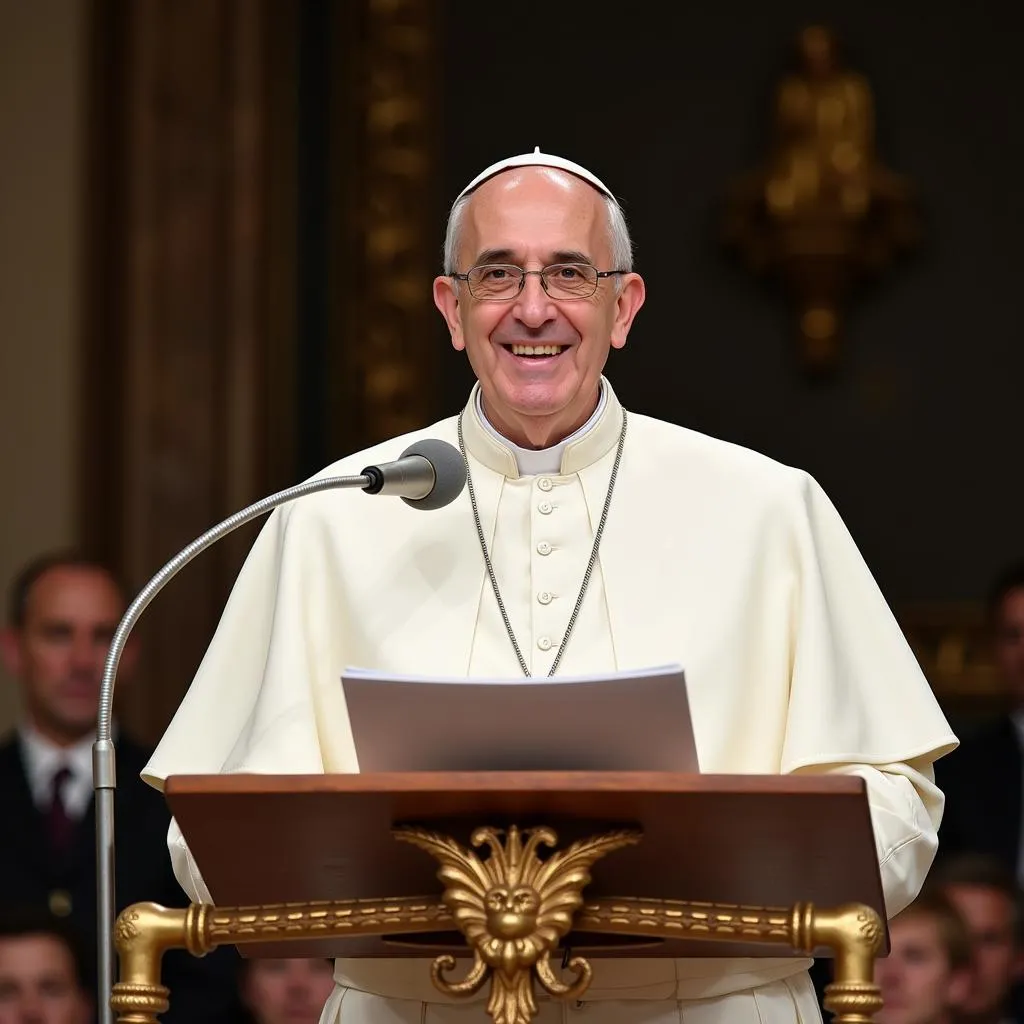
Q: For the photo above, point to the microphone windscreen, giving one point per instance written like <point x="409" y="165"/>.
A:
<point x="449" y="472"/>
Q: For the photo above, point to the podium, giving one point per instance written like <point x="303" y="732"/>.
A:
<point x="524" y="872"/>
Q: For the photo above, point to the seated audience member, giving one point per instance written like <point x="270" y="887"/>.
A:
<point x="63" y="613"/>
<point x="989" y="901"/>
<point x="42" y="973"/>
<point x="927" y="974"/>
<point x="286" y="991"/>
<point x="984" y="779"/>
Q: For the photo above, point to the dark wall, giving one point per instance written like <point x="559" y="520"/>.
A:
<point x="918" y="438"/>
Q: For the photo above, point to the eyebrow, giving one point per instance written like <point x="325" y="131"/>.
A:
<point x="508" y="256"/>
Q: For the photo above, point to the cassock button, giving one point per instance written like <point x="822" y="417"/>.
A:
<point x="60" y="903"/>
<point x="544" y="484"/>
<point x="543" y="548"/>
<point x="544" y="508"/>
<point x="544" y="643"/>
<point x="544" y="597"/>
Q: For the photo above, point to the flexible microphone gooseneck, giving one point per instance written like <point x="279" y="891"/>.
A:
<point x="429" y="475"/>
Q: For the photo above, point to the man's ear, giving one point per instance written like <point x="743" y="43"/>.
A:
<point x="10" y="650"/>
<point x="631" y="297"/>
<point x="446" y="298"/>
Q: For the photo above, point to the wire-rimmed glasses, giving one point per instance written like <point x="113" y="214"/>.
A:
<point x="496" y="282"/>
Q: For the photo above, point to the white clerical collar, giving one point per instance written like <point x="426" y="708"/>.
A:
<point x="582" y="448"/>
<point x="530" y="461"/>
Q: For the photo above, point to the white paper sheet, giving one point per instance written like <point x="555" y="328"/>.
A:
<point x="625" y="721"/>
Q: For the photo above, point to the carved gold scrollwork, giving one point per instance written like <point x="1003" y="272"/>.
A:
<point x="513" y="908"/>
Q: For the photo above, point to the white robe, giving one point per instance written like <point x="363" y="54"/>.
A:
<point x="715" y="557"/>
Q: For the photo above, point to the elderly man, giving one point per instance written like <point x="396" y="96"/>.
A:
<point x="589" y="539"/>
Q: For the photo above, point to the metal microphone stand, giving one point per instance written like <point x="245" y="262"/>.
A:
<point x="103" y="761"/>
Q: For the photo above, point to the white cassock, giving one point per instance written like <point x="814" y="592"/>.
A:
<point x="714" y="557"/>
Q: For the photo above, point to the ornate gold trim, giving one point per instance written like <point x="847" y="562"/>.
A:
<point x="853" y="931"/>
<point x="145" y="931"/>
<point x="513" y="906"/>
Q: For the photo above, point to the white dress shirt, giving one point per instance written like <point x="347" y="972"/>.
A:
<point x="43" y="759"/>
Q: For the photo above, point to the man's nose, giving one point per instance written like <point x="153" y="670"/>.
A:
<point x="85" y="655"/>
<point x="533" y="306"/>
<point x="30" y="1011"/>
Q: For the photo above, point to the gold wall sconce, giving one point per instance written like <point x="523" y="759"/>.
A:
<point x="823" y="213"/>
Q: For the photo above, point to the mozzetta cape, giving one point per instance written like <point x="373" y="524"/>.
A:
<point x="715" y="557"/>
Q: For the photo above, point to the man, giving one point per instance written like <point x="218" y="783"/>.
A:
<point x="42" y="977"/>
<point x="984" y="779"/>
<point x="286" y="991"/>
<point x="989" y="901"/>
<point x="927" y="975"/>
<point x="63" y="612"/>
<point x="587" y="540"/>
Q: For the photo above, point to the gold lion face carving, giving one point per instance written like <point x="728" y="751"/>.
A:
<point x="512" y="912"/>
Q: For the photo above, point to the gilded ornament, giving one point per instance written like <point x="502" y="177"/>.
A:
<point x="823" y="212"/>
<point x="513" y="909"/>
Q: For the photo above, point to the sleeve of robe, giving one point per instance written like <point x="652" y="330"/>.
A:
<point x="267" y="681"/>
<point x="859" y="703"/>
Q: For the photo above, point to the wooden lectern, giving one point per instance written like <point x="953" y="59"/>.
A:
<point x="527" y="868"/>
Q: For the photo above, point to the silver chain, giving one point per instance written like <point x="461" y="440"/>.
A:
<point x="590" y="564"/>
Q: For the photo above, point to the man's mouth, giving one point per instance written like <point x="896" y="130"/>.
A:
<point x="536" y="351"/>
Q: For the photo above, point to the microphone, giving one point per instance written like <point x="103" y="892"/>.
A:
<point x="430" y="474"/>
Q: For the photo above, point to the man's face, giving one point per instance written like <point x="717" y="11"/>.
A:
<point x="918" y="986"/>
<point x="38" y="984"/>
<point x="988" y="914"/>
<point x="532" y="218"/>
<point x="59" y="653"/>
<point x="287" y="991"/>
<point x="1009" y="641"/>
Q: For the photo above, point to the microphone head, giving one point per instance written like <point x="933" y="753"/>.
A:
<point x="449" y="472"/>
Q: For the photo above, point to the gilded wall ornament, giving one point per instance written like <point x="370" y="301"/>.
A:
<point x="823" y="212"/>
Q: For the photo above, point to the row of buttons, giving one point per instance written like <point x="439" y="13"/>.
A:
<point x="545" y="508"/>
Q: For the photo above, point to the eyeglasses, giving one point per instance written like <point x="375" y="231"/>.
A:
<point x="501" y="282"/>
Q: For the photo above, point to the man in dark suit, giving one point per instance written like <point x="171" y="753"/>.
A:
<point x="984" y="779"/>
<point x="64" y="610"/>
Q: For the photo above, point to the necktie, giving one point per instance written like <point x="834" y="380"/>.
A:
<point x="59" y="822"/>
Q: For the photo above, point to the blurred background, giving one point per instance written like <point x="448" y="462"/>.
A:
<point x="219" y="220"/>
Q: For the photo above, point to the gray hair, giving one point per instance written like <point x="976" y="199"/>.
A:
<point x="622" y="245"/>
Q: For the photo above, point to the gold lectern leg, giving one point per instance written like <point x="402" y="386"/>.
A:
<point x="854" y="932"/>
<point x="143" y="933"/>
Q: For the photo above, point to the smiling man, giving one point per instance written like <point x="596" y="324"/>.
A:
<point x="588" y="540"/>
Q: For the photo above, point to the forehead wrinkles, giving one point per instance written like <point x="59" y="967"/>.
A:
<point x="536" y="210"/>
